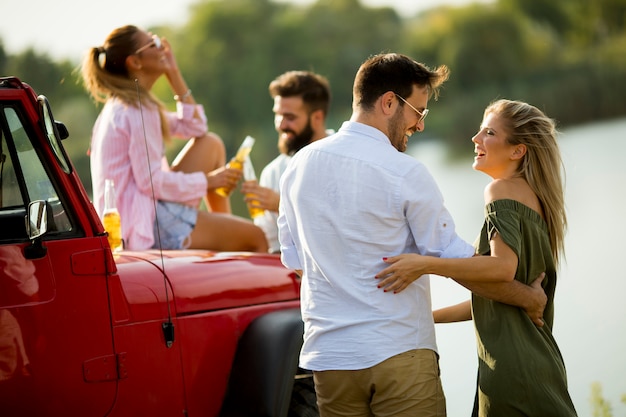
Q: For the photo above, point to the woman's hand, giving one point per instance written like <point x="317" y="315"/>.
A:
<point x="178" y="85"/>
<point x="223" y="177"/>
<point x="402" y="270"/>
<point x="172" y="65"/>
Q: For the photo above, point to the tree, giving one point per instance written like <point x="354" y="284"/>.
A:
<point x="555" y="13"/>
<point x="231" y="50"/>
<point x="565" y="56"/>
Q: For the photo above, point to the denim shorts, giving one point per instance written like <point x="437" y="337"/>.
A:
<point x="175" y="223"/>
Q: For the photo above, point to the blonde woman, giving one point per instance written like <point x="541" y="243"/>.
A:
<point x="128" y="143"/>
<point x="521" y="370"/>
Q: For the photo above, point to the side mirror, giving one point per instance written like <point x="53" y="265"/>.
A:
<point x="62" y="129"/>
<point x="36" y="226"/>
<point x="37" y="219"/>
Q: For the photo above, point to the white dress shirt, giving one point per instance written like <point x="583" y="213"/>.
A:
<point x="346" y="202"/>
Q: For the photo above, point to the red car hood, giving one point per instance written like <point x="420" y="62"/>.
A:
<point x="198" y="281"/>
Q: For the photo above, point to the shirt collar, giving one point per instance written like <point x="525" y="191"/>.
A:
<point x="365" y="130"/>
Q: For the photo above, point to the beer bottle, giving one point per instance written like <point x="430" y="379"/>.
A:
<point x="237" y="163"/>
<point x="111" y="217"/>
<point x="249" y="175"/>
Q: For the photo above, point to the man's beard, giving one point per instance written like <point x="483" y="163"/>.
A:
<point x="396" y="131"/>
<point x="299" y="141"/>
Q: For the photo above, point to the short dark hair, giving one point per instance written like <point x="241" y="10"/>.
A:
<point x="394" y="72"/>
<point x="313" y="88"/>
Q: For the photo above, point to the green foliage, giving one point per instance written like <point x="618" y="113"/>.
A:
<point x="554" y="14"/>
<point x="600" y="406"/>
<point x="43" y="74"/>
<point x="244" y="44"/>
<point x="565" y="56"/>
<point x="520" y="50"/>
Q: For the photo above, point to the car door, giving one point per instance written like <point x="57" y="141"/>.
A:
<point x="56" y="348"/>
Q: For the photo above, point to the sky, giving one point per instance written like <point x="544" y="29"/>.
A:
<point x="66" y="31"/>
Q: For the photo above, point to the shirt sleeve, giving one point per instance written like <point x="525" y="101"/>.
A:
<point x="183" y="124"/>
<point x="288" y="252"/>
<point x="430" y="222"/>
<point x="147" y="149"/>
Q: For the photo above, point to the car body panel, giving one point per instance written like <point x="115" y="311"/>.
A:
<point x="81" y="328"/>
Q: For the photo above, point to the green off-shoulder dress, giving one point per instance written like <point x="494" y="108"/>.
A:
<point x="520" y="368"/>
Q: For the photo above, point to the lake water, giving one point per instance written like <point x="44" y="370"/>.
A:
<point x="590" y="299"/>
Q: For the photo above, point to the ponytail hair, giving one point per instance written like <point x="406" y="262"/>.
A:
<point x="105" y="75"/>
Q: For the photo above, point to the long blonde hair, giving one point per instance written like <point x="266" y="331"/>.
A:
<point x="105" y="74"/>
<point x="542" y="166"/>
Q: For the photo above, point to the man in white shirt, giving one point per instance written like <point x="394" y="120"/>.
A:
<point x="301" y="102"/>
<point x="345" y="203"/>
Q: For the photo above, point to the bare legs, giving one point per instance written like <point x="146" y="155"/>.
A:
<point x="225" y="232"/>
<point x="205" y="154"/>
<point x="217" y="229"/>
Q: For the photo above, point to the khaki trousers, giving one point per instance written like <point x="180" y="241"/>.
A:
<point x="405" y="385"/>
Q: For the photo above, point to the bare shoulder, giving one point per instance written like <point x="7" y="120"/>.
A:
<point x="512" y="189"/>
<point x="500" y="189"/>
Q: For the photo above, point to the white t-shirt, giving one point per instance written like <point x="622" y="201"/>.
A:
<point x="346" y="202"/>
<point x="270" y="178"/>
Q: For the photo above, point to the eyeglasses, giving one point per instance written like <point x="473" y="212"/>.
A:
<point x="421" y="114"/>
<point x="156" y="42"/>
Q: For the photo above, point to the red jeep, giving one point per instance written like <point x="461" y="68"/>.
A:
<point x="86" y="332"/>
